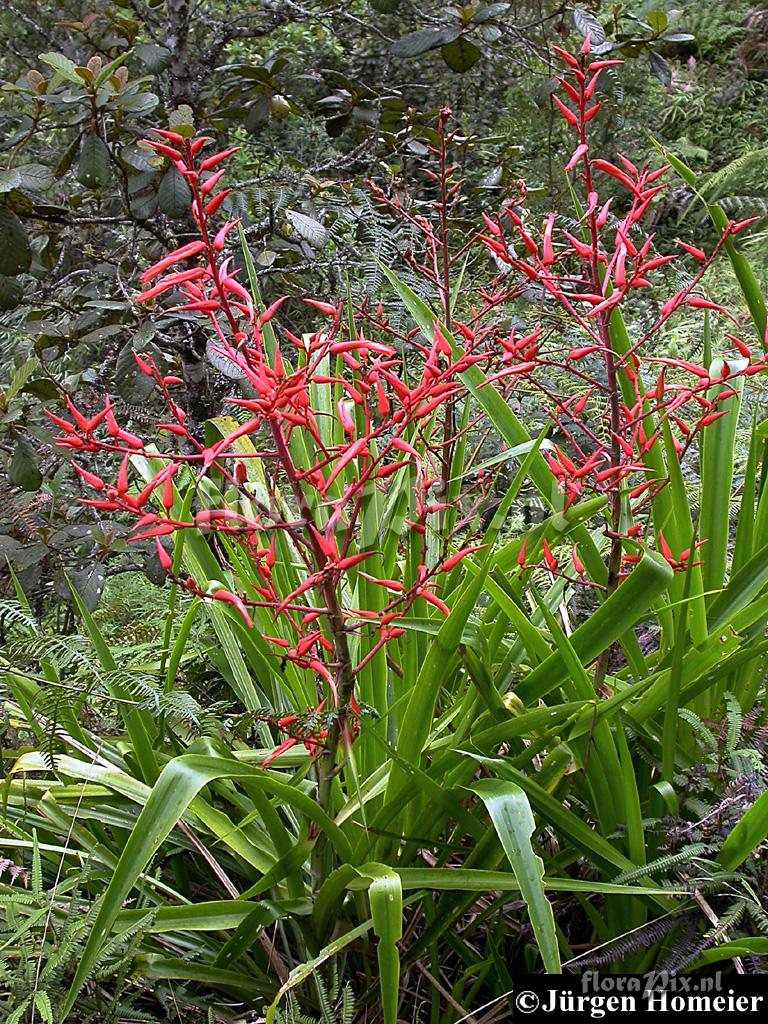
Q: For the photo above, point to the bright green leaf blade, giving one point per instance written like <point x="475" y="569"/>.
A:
<point x="180" y="781"/>
<point x="386" y="897"/>
<point x="747" y="834"/>
<point x="607" y="624"/>
<point x="513" y="820"/>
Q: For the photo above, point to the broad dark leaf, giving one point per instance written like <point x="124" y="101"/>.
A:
<point x="425" y="39"/>
<point x="93" y="168"/>
<point x="15" y="251"/>
<point x="23" y="469"/>
<point x="588" y="25"/>
<point x="461" y="54"/>
<point x="11" y="292"/>
<point x="174" y="195"/>
<point x="660" y="67"/>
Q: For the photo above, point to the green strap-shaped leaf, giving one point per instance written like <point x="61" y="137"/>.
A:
<point x="152" y="965"/>
<point x="489" y="399"/>
<point x="748" y="282"/>
<point x="513" y="820"/>
<point x="179" y="782"/>
<point x="751" y="946"/>
<point x="717" y="461"/>
<point x="305" y="970"/>
<point x="209" y="916"/>
<point x="201" y="564"/>
<point x="606" y="625"/>
<point x="599" y="850"/>
<point x="386" y="896"/>
<point x="138" y="722"/>
<point x="747" y="834"/>
<point x="479" y="880"/>
<point x="743" y="587"/>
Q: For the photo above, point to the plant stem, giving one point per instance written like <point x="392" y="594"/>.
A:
<point x="343" y="669"/>
<point x="613" y="393"/>
<point x="449" y="421"/>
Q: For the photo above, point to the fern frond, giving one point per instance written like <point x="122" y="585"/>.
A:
<point x="747" y="174"/>
<point x="663" y="865"/>
<point x="649" y="935"/>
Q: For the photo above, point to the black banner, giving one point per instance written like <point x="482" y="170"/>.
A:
<point x="592" y="996"/>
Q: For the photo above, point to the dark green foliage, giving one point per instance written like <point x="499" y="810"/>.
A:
<point x="15" y="253"/>
<point x="323" y="99"/>
<point x="93" y="163"/>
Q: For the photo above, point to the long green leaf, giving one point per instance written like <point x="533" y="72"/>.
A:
<point x="386" y="897"/>
<point x="179" y="782"/>
<point x="306" y="970"/>
<point x="717" y="477"/>
<point x="606" y="625"/>
<point x="746" y="835"/>
<point x="138" y="723"/>
<point x="748" y="282"/>
<point x="513" y="820"/>
<point x="477" y="880"/>
<point x="210" y="916"/>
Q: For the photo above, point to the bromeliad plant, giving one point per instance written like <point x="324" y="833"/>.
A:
<point x="336" y="425"/>
<point x="590" y="278"/>
<point x="345" y="417"/>
<point x="412" y="669"/>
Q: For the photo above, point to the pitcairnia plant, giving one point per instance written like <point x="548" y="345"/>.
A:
<point x="403" y="655"/>
<point x="346" y="415"/>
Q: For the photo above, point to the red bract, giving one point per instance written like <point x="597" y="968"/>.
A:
<point x="333" y="419"/>
<point x="590" y="273"/>
<point x="376" y="428"/>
